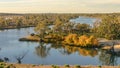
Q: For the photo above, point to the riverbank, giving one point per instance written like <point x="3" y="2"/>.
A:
<point x="31" y="37"/>
<point x="9" y="65"/>
<point x="102" y="42"/>
<point x="12" y="27"/>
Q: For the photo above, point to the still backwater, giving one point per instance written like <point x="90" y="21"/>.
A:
<point x="47" y="53"/>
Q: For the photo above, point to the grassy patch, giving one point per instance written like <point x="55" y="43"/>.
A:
<point x="77" y="66"/>
<point x="66" y="65"/>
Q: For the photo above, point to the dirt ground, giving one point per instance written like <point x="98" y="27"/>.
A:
<point x="8" y="65"/>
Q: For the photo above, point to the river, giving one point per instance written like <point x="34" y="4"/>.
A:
<point x="42" y="53"/>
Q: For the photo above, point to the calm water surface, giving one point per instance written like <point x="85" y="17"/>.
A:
<point x="86" y="20"/>
<point x="42" y="53"/>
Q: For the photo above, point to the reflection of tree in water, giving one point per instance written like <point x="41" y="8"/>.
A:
<point x="42" y="50"/>
<point x="61" y="49"/>
<point x="21" y="56"/>
<point x="56" y="45"/>
<point x="88" y="52"/>
<point x="81" y="51"/>
<point x="4" y="59"/>
<point x="69" y="50"/>
<point x="17" y="57"/>
<point x="108" y="58"/>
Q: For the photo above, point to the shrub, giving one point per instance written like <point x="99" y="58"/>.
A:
<point x="77" y="66"/>
<point x="99" y="66"/>
<point x="71" y="38"/>
<point x="83" y="41"/>
<point x="54" y="66"/>
<point x="66" y="65"/>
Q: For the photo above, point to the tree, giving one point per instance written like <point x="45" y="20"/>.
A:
<point x="68" y="27"/>
<point x="41" y="29"/>
<point x="82" y="28"/>
<point x="58" y="25"/>
<point x="83" y="41"/>
<point x="18" y="23"/>
<point x="109" y="27"/>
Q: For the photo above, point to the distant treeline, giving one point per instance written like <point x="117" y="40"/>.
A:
<point x="25" y="20"/>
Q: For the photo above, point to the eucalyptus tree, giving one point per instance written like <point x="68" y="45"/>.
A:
<point x="57" y="26"/>
<point x="68" y="27"/>
<point x="109" y="27"/>
<point x="82" y="28"/>
<point x="41" y="29"/>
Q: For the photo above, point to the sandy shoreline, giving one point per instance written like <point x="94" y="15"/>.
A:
<point x="10" y="65"/>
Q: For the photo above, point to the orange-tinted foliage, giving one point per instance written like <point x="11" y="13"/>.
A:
<point x="81" y="41"/>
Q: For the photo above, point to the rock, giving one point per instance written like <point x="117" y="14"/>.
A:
<point x="116" y="48"/>
<point x="107" y="47"/>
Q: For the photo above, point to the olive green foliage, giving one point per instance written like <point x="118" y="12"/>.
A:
<point x="70" y="27"/>
<point x="66" y="65"/>
<point x="2" y="65"/>
<point x="5" y="65"/>
<point x="41" y="29"/>
<point x="82" y="28"/>
<point x="27" y="20"/>
<point x="55" y="66"/>
<point x="56" y="20"/>
<point x="17" y="21"/>
<point x="42" y="22"/>
<point x="77" y="66"/>
<point x="100" y="66"/>
<point x="109" y="27"/>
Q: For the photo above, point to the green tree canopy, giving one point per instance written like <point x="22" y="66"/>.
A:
<point x="109" y="27"/>
<point x="41" y="29"/>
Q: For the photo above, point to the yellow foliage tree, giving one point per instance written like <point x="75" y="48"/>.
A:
<point x="83" y="41"/>
<point x="71" y="39"/>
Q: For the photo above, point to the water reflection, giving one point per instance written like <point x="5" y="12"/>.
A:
<point x="81" y="51"/>
<point x="42" y="50"/>
<point x="4" y="59"/>
<point x="20" y="57"/>
<point x="107" y="58"/>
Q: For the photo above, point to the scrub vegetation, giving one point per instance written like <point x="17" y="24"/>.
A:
<point x="58" y="27"/>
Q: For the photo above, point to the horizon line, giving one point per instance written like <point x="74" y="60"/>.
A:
<point x="57" y="13"/>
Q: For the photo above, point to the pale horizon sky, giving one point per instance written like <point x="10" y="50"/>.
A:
<point x="59" y="6"/>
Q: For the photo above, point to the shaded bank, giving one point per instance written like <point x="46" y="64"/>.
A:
<point x="12" y="27"/>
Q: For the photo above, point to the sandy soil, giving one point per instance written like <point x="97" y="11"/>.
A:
<point x="8" y="65"/>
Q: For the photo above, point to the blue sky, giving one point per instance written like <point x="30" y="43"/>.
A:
<point x="59" y="6"/>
